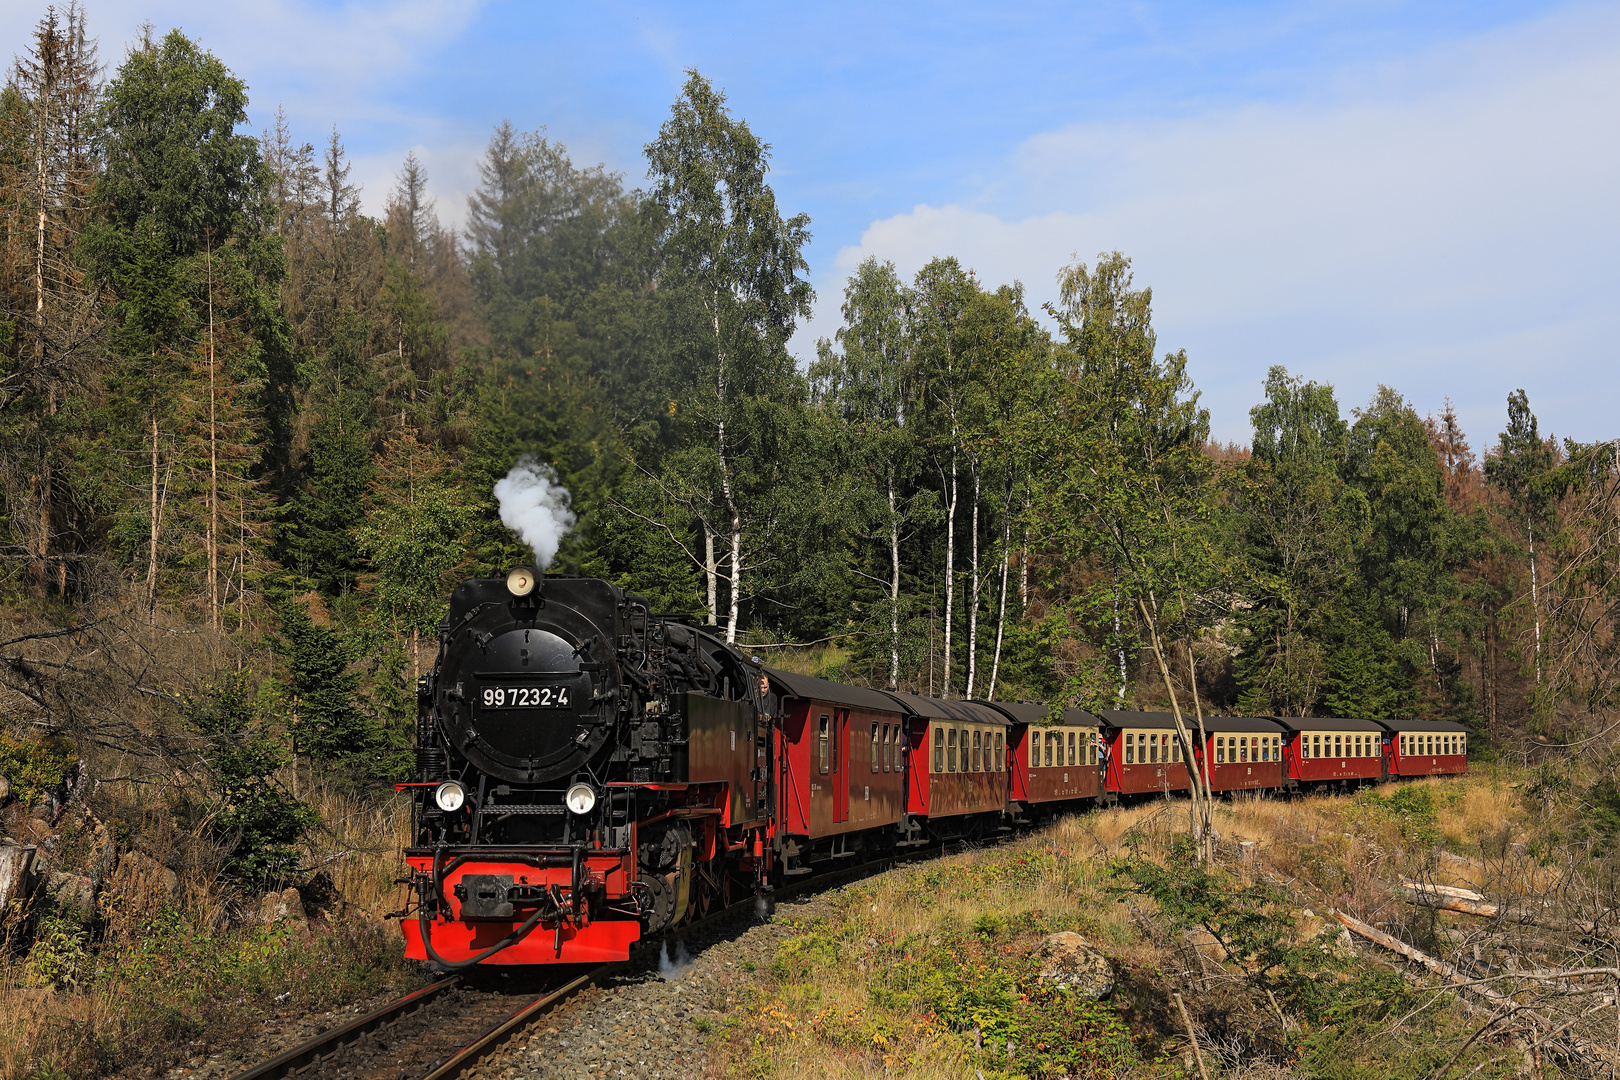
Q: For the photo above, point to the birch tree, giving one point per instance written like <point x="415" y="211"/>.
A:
<point x="1124" y="476"/>
<point x="868" y="382"/>
<point x="736" y="266"/>
<point x="943" y="292"/>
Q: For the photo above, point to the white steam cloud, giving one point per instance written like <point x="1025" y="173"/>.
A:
<point x="535" y="506"/>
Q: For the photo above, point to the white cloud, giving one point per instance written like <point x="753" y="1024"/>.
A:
<point x="1446" y="226"/>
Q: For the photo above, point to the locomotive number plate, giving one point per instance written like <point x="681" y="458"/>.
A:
<point x="527" y="697"/>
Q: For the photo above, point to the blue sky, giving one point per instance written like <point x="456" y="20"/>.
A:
<point x="1417" y="195"/>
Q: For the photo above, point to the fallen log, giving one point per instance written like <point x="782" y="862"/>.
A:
<point x="1451" y="891"/>
<point x="1448" y="899"/>
<point x="1556" y="1029"/>
<point x="1416" y="955"/>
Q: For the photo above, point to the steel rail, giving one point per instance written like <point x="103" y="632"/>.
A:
<point x="329" y="1041"/>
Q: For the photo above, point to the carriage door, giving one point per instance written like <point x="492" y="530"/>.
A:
<point x="842" y="778"/>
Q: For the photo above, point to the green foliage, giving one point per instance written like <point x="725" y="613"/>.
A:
<point x="984" y="981"/>
<point x="260" y="822"/>
<point x="1253" y="925"/>
<point x="35" y="766"/>
<point x="60" y="955"/>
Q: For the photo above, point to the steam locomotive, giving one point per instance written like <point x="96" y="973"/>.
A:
<point x="590" y="773"/>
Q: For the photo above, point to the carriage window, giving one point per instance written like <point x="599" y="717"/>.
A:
<point x="1071" y="748"/>
<point x="1153" y="748"/>
<point x="1001" y="751"/>
<point x="1265" y="749"/>
<point x="1462" y="744"/>
<point x="1130" y="749"/>
<point x="950" y="750"/>
<point x="1093" y="744"/>
<point x="876" y="765"/>
<point x="939" y="749"/>
<point x="1276" y="748"/>
<point x="1243" y="749"/>
<point x="883" y="748"/>
<point x="1220" y="749"/>
<point x="821" y="742"/>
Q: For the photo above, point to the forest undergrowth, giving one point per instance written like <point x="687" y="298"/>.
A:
<point x="155" y="969"/>
<point x="937" y="969"/>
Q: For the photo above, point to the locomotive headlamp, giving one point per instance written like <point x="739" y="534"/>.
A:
<point x="521" y="580"/>
<point x="581" y="799"/>
<point x="450" y="796"/>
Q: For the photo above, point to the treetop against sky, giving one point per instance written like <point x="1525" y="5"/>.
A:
<point x="1415" y="196"/>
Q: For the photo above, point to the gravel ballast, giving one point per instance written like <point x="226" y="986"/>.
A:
<point x="654" y="1023"/>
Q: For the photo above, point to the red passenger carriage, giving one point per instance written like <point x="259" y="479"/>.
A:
<point x="840" y="764"/>
<point x="1051" y="764"/>
<point x="1319" y="751"/>
<point x="1425" y="747"/>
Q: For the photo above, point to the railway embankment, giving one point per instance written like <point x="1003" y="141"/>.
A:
<point x="1099" y="946"/>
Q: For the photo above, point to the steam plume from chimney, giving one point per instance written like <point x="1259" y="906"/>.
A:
<point x="535" y="506"/>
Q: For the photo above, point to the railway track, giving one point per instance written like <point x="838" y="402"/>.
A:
<point x="445" y="1029"/>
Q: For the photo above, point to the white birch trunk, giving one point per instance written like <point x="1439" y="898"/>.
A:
<point x="711" y="571"/>
<point x="1535" y="596"/>
<point x="894" y="590"/>
<point x="950" y="575"/>
<point x="736" y="577"/>
<point x="973" y="606"/>
<point x="1001" y="614"/>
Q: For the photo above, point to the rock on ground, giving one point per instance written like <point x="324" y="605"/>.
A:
<point x="1071" y="962"/>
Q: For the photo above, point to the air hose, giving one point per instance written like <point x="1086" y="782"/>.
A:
<point x="457" y="965"/>
<point x="423" y="923"/>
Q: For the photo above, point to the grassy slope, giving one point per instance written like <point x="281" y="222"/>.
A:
<point x="932" y="970"/>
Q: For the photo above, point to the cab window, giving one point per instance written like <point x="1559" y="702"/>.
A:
<point x="822" y="741"/>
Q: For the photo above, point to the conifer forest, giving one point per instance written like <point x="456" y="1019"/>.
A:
<point x="250" y="438"/>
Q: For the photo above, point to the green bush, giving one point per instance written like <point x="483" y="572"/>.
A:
<point x="35" y="766"/>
